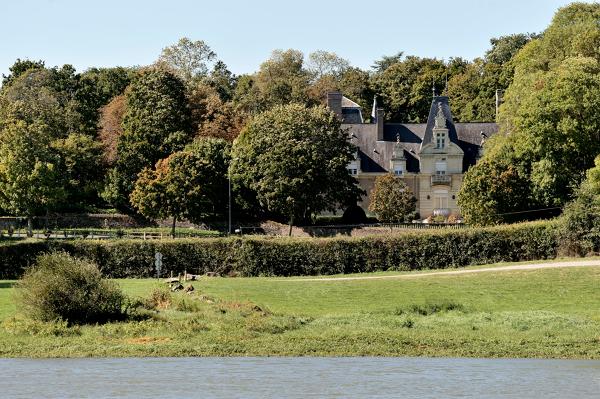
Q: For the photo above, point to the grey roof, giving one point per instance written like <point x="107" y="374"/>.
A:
<point x="439" y="101"/>
<point x="351" y="115"/>
<point x="376" y="155"/>
<point x="347" y="103"/>
<point x="411" y="136"/>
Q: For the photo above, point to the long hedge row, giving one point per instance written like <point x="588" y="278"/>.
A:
<point x="300" y="256"/>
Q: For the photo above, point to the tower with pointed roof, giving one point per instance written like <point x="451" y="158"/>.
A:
<point x="431" y="158"/>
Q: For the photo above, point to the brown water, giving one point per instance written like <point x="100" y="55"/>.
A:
<point x="298" y="378"/>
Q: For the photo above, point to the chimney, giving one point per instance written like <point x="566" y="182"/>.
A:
<point x="334" y="102"/>
<point x="380" y="118"/>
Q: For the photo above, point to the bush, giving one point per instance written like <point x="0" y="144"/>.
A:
<point x="61" y="287"/>
<point x="262" y="256"/>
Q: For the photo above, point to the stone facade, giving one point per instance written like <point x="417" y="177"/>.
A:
<point x="430" y="157"/>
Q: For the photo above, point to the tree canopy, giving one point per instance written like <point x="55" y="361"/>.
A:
<point x="294" y="159"/>
<point x="392" y="200"/>
<point x="549" y="120"/>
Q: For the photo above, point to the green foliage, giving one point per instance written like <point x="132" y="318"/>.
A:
<point x="60" y="287"/>
<point x="156" y="124"/>
<point x="187" y="59"/>
<point x="81" y="166"/>
<point x="294" y="160"/>
<point x="292" y="257"/>
<point x="188" y="184"/>
<point x="549" y="120"/>
<point x="18" y="68"/>
<point x="392" y="200"/>
<point x="580" y="222"/>
<point x="405" y="88"/>
<point x="30" y="179"/>
<point x="491" y="190"/>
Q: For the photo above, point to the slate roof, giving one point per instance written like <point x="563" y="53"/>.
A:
<point x="351" y="111"/>
<point x="375" y="155"/>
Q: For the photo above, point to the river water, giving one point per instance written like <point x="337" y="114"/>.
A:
<point x="298" y="378"/>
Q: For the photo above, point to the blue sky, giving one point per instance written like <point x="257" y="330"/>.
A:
<point x="243" y="33"/>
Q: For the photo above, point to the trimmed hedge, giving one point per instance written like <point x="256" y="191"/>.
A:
<point x="264" y="256"/>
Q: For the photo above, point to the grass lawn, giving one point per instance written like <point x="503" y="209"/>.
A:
<point x="553" y="313"/>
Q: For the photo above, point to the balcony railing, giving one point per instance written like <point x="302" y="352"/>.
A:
<point x="441" y="179"/>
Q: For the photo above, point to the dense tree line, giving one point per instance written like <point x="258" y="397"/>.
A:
<point x="130" y="137"/>
<point x="550" y="126"/>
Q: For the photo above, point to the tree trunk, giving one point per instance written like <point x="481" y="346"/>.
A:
<point x="173" y="227"/>
<point x="291" y="224"/>
<point x="29" y="226"/>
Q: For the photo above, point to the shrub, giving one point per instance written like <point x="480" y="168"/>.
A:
<point x="61" y="287"/>
<point x="264" y="256"/>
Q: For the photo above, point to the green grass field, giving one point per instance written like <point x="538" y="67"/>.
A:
<point x="551" y="313"/>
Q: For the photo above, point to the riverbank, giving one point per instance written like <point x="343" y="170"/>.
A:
<point x="543" y="313"/>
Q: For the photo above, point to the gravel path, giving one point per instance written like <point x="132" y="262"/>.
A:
<point x="529" y="266"/>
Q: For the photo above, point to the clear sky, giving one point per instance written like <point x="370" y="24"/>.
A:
<point x="243" y="33"/>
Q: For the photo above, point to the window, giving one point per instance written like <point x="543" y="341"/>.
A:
<point x="440" y="168"/>
<point x="440" y="141"/>
<point x="353" y="171"/>
<point x="398" y="170"/>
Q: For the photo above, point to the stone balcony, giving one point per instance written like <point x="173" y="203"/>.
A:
<point x="441" y="180"/>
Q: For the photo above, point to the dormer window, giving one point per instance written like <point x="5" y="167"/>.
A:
<point x="440" y="140"/>
<point x="398" y="171"/>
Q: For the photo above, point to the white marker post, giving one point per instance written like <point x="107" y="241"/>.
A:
<point x="158" y="263"/>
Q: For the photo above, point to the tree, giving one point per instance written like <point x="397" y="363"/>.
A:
<point x="493" y="189"/>
<point x="387" y="61"/>
<point x="82" y="169"/>
<point x="111" y="127"/>
<point x="293" y="160"/>
<point x="156" y="123"/>
<point x="580" y="222"/>
<point x="188" y="184"/>
<point x="391" y="199"/>
<point x="33" y="98"/>
<point x="223" y="81"/>
<point x="187" y="59"/>
<point x="549" y="121"/>
<point x="323" y="63"/>
<point x="405" y="87"/>
<point x="504" y="48"/>
<point x="282" y="79"/>
<point x="20" y="67"/>
<point x="30" y="180"/>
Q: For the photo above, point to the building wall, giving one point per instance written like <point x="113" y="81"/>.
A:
<point x="420" y="185"/>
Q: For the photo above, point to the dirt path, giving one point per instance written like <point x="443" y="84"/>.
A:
<point x="530" y="266"/>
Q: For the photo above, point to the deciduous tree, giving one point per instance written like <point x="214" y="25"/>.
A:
<point x="293" y="159"/>
<point x="392" y="200"/>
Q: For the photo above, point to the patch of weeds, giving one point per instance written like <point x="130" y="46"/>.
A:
<point x="408" y="323"/>
<point x="244" y="309"/>
<point x="160" y="299"/>
<point x="430" y="308"/>
<point x="192" y="326"/>
<point x="25" y="326"/>
<point x="274" y="324"/>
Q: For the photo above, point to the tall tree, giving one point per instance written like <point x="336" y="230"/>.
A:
<point x="20" y="67"/>
<point x="294" y="159"/>
<point x="156" y="123"/>
<point x="549" y="119"/>
<point x="188" y="59"/>
<point x="188" y="184"/>
<point x="30" y="179"/>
